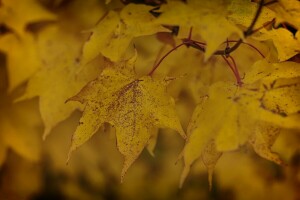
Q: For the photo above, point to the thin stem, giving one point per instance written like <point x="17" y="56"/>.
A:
<point x="195" y="44"/>
<point x="162" y="49"/>
<point x="190" y="34"/>
<point x="284" y="26"/>
<point x="160" y="61"/>
<point x="250" y="28"/>
<point x="264" y="25"/>
<point x="229" y="64"/>
<point x="201" y="43"/>
<point x="229" y="50"/>
<point x="227" y="44"/>
<point x="250" y="45"/>
<point x="238" y="77"/>
<point x="234" y="68"/>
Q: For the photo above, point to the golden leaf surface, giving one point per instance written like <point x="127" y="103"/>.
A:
<point x="134" y="106"/>
<point x="232" y="116"/>
<point x="287" y="11"/>
<point x="113" y="34"/>
<point x="61" y="76"/>
<point x="206" y="18"/>
<point x="22" y="57"/>
<point x="243" y="12"/>
<point x="286" y="43"/>
<point x="18" y="130"/>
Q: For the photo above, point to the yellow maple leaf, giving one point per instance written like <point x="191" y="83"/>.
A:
<point x="22" y="57"/>
<point x="134" y="106"/>
<point x="113" y="34"/>
<point x="286" y="43"/>
<point x="207" y="18"/>
<point x="59" y="78"/>
<point x="242" y="13"/>
<point x="262" y="140"/>
<point x="287" y="11"/>
<point x="17" y="130"/>
<point x="16" y="14"/>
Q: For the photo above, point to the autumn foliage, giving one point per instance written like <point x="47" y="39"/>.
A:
<point x="211" y="86"/>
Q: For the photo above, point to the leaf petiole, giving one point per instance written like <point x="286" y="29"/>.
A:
<point x="160" y="61"/>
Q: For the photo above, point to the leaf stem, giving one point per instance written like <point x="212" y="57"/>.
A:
<point x="250" y="28"/>
<point x="264" y="25"/>
<point x="226" y="52"/>
<point x="160" y="61"/>
<point x="234" y="68"/>
<point x="250" y="45"/>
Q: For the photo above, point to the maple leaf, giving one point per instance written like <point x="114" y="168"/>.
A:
<point x="133" y="105"/>
<point x="207" y="18"/>
<point x="59" y="79"/>
<point x="22" y="57"/>
<point x="242" y="13"/>
<point x="286" y="43"/>
<point x="113" y="34"/>
<point x="287" y="11"/>
<point x="231" y="116"/>
<point x="17" y="14"/>
<point x="17" y="130"/>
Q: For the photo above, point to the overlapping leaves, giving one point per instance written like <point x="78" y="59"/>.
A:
<point x="231" y="116"/>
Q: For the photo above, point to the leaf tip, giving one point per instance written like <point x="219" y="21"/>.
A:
<point x="126" y="165"/>
<point x="46" y="133"/>
<point x="210" y="176"/>
<point x="151" y="152"/>
<point x="69" y="155"/>
<point x="73" y="98"/>
<point x="123" y="173"/>
<point x="184" y="174"/>
<point x="183" y="135"/>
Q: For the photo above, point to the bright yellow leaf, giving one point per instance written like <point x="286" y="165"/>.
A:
<point x="208" y="19"/>
<point x="60" y="78"/>
<point x="22" y="57"/>
<point x="287" y="11"/>
<point x="286" y="43"/>
<point x="262" y="140"/>
<point x="242" y="12"/>
<point x="18" y="130"/>
<point x="113" y="34"/>
<point x="134" y="106"/>
<point x="232" y="115"/>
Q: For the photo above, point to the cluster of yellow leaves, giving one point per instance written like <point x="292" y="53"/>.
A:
<point x="81" y="55"/>
<point x="252" y="113"/>
<point x="113" y="34"/>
